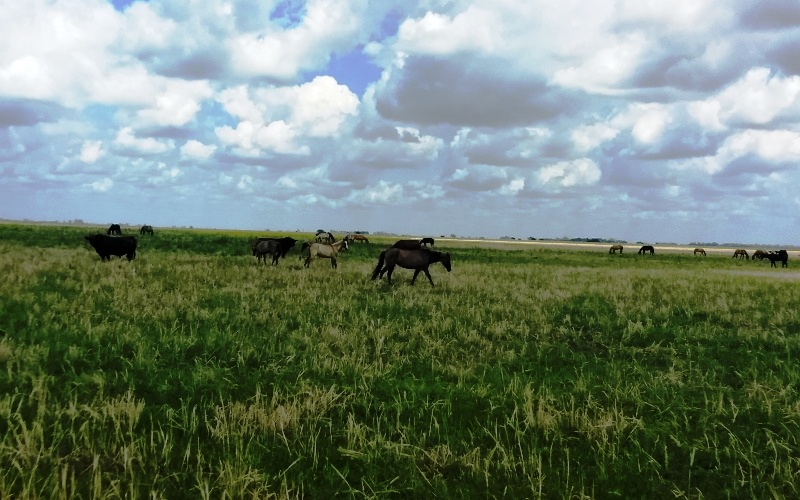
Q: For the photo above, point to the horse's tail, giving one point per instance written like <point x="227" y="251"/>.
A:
<point x="380" y="265"/>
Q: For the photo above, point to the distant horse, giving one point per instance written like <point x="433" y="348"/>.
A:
<point x="325" y="251"/>
<point x="760" y="255"/>
<point x="426" y="241"/>
<point x="614" y="249"/>
<point x="418" y="260"/>
<point x="700" y="251"/>
<point x="277" y="247"/>
<point x="646" y="248"/>
<point x="325" y="238"/>
<point x="408" y="244"/>
<point x="741" y="254"/>
<point x="780" y="255"/>
<point x="146" y="230"/>
<point x="357" y="237"/>
<point x="114" y="229"/>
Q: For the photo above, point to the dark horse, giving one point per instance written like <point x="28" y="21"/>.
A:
<point x="780" y="255"/>
<point x="647" y="248"/>
<point x="426" y="241"/>
<point x="114" y="229"/>
<point x="418" y="260"/>
<point x="146" y="230"/>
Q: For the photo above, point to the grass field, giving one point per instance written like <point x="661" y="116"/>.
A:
<point x="527" y="372"/>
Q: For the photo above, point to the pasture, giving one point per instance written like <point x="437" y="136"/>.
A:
<point x="525" y="372"/>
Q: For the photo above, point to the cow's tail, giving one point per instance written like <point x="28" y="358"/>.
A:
<point x="380" y="265"/>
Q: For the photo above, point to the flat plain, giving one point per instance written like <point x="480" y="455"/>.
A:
<point x="527" y="372"/>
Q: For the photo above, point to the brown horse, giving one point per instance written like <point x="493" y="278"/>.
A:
<point x="700" y="251"/>
<point x="741" y="254"/>
<point x="647" y="248"/>
<point x="418" y="260"/>
<point x="760" y="255"/>
<point x="325" y="251"/>
<point x="614" y="249"/>
<point x="357" y="237"/>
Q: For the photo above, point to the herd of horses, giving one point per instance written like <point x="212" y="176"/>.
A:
<point x="408" y="254"/>
<point x="417" y="255"/>
<point x="773" y="256"/>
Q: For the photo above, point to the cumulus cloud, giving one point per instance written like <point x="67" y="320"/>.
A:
<point x="279" y="119"/>
<point x="91" y="151"/>
<point x="196" y="150"/>
<point x="499" y="108"/>
<point x="580" y="172"/>
<point x="128" y="141"/>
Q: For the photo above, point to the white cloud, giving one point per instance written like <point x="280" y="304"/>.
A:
<point x="145" y="145"/>
<point x="759" y="98"/>
<point x="196" y="150"/>
<point x="280" y="119"/>
<point x="91" y="151"/>
<point x="283" y="53"/>
<point x="102" y="185"/>
<point x="581" y="172"/>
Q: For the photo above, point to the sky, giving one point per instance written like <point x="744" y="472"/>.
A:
<point x="638" y="120"/>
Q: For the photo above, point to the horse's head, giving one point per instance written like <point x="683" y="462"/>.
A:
<point x="446" y="262"/>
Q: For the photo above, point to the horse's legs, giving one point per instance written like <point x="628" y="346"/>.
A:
<point x="333" y="262"/>
<point x="389" y="269"/>
<point x="416" y="272"/>
<point x="428" y="274"/>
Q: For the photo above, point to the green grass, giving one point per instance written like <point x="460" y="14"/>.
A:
<point x="193" y="372"/>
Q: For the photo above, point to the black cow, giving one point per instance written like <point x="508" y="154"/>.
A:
<point x="147" y="230"/>
<point x="114" y="229"/>
<point x="106" y="246"/>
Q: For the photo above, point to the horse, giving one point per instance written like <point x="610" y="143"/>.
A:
<point x="614" y="249"/>
<point x="325" y="251"/>
<point x="780" y="255"/>
<point x="426" y="241"/>
<point x="418" y="260"/>
<point x="114" y="229"/>
<point x="760" y="255"/>
<point x="357" y="237"/>
<point x="741" y="254"/>
<point x="146" y="230"/>
<point x="646" y="248"/>
<point x="277" y="247"/>
<point x="408" y="244"/>
<point x="325" y="238"/>
<point x="700" y="251"/>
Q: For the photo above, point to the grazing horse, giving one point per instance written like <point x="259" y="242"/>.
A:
<point x="700" y="251"/>
<point x="418" y="260"/>
<point x="114" y="229"/>
<point x="426" y="241"/>
<point x="647" y="248"/>
<point x="325" y="238"/>
<point x="780" y="255"/>
<point x="408" y="244"/>
<point x="277" y="247"/>
<point x="741" y="254"/>
<point x="357" y="237"/>
<point x="614" y="249"/>
<point x="146" y="230"/>
<point x="760" y="255"/>
<point x="325" y="251"/>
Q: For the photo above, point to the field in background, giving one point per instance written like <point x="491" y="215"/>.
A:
<point x="528" y="371"/>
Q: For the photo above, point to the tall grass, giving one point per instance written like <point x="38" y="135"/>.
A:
<point x="192" y="371"/>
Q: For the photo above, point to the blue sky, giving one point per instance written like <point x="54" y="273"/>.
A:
<point x="645" y="121"/>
